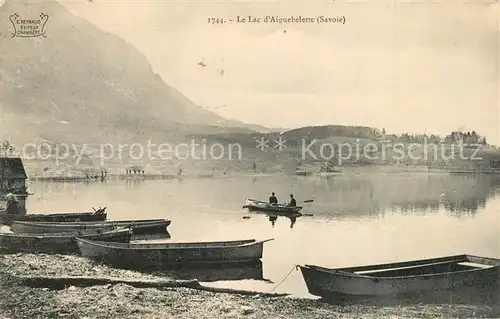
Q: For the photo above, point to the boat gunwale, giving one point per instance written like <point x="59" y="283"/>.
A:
<point x="64" y="235"/>
<point x="283" y="207"/>
<point x="167" y="222"/>
<point x="348" y="271"/>
<point x="64" y="214"/>
<point x="110" y="245"/>
<point x="294" y="209"/>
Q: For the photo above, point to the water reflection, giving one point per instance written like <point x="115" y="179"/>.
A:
<point x="344" y="196"/>
<point x="376" y="194"/>
<point x="273" y="217"/>
<point x="247" y="271"/>
<point x="357" y="217"/>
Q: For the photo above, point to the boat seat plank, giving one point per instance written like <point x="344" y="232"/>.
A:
<point x="373" y="271"/>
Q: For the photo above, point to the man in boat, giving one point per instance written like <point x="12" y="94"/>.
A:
<point x="292" y="203"/>
<point x="273" y="200"/>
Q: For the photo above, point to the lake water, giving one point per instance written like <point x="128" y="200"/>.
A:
<point x="358" y="218"/>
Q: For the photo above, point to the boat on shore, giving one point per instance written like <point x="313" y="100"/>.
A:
<point x="98" y="215"/>
<point x="57" y="243"/>
<point x="141" y="226"/>
<point x="257" y="205"/>
<point x="420" y="277"/>
<point x="164" y="255"/>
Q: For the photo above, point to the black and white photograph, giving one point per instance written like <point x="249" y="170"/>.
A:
<point x="249" y="159"/>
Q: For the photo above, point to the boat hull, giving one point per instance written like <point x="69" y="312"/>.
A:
<point x="139" y="227"/>
<point x="324" y="174"/>
<point x="326" y="282"/>
<point x="282" y="210"/>
<point x="57" y="217"/>
<point x="158" y="256"/>
<point x="57" y="243"/>
<point x="211" y="273"/>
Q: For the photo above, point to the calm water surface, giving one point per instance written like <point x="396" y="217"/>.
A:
<point x="360" y="218"/>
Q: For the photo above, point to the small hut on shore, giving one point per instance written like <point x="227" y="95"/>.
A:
<point x="13" y="181"/>
<point x="12" y="175"/>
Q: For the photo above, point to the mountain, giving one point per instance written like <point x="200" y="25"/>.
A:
<point x="81" y="84"/>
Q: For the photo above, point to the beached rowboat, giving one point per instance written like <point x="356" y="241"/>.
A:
<point x="140" y="226"/>
<point x="454" y="273"/>
<point x="99" y="215"/>
<point x="57" y="243"/>
<point x="253" y="204"/>
<point x="164" y="255"/>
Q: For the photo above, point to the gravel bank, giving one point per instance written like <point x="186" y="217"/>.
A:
<point x="124" y="301"/>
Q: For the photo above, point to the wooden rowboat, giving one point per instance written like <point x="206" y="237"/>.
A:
<point x="141" y="226"/>
<point x="329" y="169"/>
<point x="99" y="215"/>
<point x="57" y="243"/>
<point x="161" y="255"/>
<point x="257" y="205"/>
<point x="421" y="277"/>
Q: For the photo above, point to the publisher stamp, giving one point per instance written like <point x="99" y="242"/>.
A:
<point x="29" y="27"/>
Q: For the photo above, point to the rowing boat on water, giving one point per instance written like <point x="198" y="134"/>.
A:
<point x="160" y="255"/>
<point x="57" y="243"/>
<point x="257" y="205"/>
<point x="419" y="277"/>
<point x="99" y="215"/>
<point x="141" y="226"/>
<point x="329" y="169"/>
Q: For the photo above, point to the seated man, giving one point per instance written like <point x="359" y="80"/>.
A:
<point x="12" y="203"/>
<point x="273" y="200"/>
<point x="292" y="203"/>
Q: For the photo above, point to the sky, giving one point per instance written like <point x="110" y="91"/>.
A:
<point x="404" y="66"/>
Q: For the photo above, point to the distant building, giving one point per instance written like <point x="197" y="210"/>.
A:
<point x="13" y="180"/>
<point x="12" y="175"/>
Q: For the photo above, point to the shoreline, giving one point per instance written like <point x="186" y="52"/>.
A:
<point x="126" y="301"/>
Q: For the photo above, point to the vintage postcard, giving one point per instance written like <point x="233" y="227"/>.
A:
<point x="249" y="159"/>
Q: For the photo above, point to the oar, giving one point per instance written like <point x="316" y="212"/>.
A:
<point x="302" y="202"/>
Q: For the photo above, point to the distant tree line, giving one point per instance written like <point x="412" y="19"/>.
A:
<point x="327" y="131"/>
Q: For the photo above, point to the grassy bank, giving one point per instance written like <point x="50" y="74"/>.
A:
<point x="124" y="301"/>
